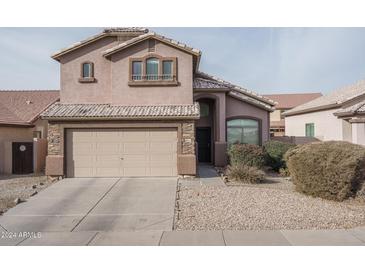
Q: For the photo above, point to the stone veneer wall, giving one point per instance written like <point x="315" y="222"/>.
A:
<point x="188" y="138"/>
<point x="54" y="139"/>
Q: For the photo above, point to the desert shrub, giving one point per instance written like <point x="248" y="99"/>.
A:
<point x="250" y="155"/>
<point x="284" y="172"/>
<point x="332" y="170"/>
<point x="274" y="154"/>
<point x="245" y="174"/>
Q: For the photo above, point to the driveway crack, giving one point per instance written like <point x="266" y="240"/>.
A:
<point x="91" y="209"/>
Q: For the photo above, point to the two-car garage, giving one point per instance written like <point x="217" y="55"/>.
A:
<point x="121" y="152"/>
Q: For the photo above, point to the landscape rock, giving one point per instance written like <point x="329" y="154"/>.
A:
<point x="34" y="186"/>
<point x="18" y="201"/>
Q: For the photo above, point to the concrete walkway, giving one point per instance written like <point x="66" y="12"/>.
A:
<point x="350" y="237"/>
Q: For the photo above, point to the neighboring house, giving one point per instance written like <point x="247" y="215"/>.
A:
<point x="335" y="116"/>
<point x="286" y="102"/>
<point x="23" y="143"/>
<point x="129" y="106"/>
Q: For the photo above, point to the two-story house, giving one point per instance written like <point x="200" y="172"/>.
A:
<point x="134" y="103"/>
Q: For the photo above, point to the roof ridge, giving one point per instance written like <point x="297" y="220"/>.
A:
<point x="239" y="88"/>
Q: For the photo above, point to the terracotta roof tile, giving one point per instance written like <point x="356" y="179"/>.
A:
<point x="75" y="111"/>
<point x="236" y="91"/>
<point x="151" y="35"/>
<point x="23" y="107"/>
<point x="288" y="101"/>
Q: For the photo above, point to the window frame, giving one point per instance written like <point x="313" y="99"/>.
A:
<point x="89" y="79"/>
<point x="258" y="120"/>
<point x="312" y="130"/>
<point x="158" y="82"/>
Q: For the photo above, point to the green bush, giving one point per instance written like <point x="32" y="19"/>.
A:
<point x="245" y="174"/>
<point x="250" y="155"/>
<point x="274" y="154"/>
<point x="332" y="170"/>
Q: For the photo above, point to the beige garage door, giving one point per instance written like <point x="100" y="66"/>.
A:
<point x="121" y="152"/>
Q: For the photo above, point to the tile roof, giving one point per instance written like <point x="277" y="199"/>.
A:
<point x="23" y="107"/>
<point x="106" y="32"/>
<point x="100" y="111"/>
<point x="332" y="100"/>
<point x="154" y="35"/>
<point x="355" y="109"/>
<point x="201" y="83"/>
<point x="236" y="91"/>
<point x="291" y="100"/>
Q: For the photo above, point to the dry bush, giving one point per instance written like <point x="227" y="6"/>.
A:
<point x="245" y="174"/>
<point x="332" y="170"/>
<point x="246" y="154"/>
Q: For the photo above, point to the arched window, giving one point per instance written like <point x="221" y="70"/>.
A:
<point x="243" y="131"/>
<point x="87" y="70"/>
<point x="152" y="68"/>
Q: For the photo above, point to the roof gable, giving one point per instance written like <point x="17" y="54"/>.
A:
<point x="334" y="99"/>
<point x="203" y="80"/>
<point x="152" y="35"/>
<point x="131" y="32"/>
<point x="23" y="107"/>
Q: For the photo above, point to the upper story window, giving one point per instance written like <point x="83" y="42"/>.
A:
<point x="153" y="70"/>
<point x="167" y="72"/>
<point x="137" y="70"/>
<point x="87" y="72"/>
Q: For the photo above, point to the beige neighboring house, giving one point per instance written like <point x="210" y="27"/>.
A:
<point x="23" y="143"/>
<point x="338" y="115"/>
<point x="286" y="101"/>
<point x="134" y="103"/>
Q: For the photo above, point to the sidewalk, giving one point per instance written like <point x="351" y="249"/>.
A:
<point x="350" y="237"/>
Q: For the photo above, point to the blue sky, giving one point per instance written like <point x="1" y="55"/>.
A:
<point x="266" y="60"/>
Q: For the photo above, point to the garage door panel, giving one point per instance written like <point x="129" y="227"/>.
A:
<point x="161" y="147"/>
<point x="135" y="135"/>
<point x="155" y="171"/>
<point x="135" y="148"/>
<point x="82" y="172"/>
<point x="106" y="171"/>
<point x="107" y="148"/>
<point x="162" y="135"/>
<point x="135" y="171"/>
<point x="144" y="152"/>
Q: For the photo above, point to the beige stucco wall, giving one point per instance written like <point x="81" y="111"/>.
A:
<point x="7" y="136"/>
<point x="358" y="133"/>
<point x="112" y="76"/>
<point x="72" y="91"/>
<point x="236" y="108"/>
<point x="124" y="94"/>
<point x="326" y="126"/>
<point x="275" y="115"/>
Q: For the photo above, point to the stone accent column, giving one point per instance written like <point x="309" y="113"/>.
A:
<point x="187" y="160"/>
<point x="54" y="160"/>
<point x="54" y="139"/>
<point x="188" y="138"/>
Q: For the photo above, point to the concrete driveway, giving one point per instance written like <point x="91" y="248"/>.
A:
<point x="97" y="204"/>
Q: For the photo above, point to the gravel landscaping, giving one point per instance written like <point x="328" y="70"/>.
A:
<point x="272" y="205"/>
<point x="19" y="187"/>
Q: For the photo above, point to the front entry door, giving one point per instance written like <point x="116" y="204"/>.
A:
<point x="204" y="141"/>
<point x="22" y="157"/>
